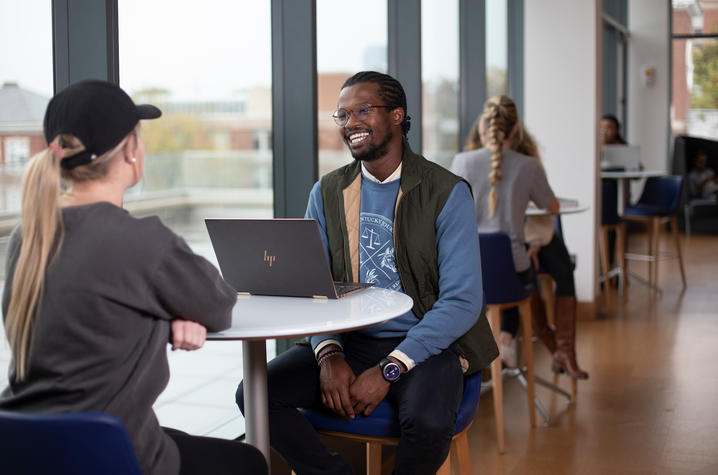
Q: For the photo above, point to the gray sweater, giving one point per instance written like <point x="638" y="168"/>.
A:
<point x="103" y="322"/>
<point x="523" y="180"/>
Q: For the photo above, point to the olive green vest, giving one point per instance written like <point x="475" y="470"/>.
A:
<point x="424" y="189"/>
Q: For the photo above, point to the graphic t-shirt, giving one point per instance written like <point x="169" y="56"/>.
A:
<point x="376" y="237"/>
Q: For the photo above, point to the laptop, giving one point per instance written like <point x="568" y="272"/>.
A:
<point x="620" y="157"/>
<point x="283" y="257"/>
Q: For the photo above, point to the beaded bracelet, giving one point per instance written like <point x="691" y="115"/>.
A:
<point x="328" y="354"/>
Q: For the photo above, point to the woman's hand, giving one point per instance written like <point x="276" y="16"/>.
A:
<point x="187" y="335"/>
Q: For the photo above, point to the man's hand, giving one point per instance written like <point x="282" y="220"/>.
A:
<point x="369" y="389"/>
<point x="187" y="335"/>
<point x="335" y="377"/>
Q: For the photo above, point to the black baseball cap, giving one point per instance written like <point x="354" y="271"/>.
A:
<point x="98" y="113"/>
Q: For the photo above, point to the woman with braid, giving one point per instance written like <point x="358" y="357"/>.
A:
<point x="502" y="164"/>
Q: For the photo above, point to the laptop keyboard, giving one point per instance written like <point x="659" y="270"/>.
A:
<point x="344" y="288"/>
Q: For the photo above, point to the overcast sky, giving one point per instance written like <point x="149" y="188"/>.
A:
<point x="211" y="51"/>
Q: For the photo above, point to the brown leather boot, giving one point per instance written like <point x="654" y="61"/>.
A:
<point x="540" y="324"/>
<point x="564" y="358"/>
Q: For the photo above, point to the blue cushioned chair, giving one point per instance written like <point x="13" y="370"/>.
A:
<point x="502" y="290"/>
<point x="381" y="427"/>
<point x="611" y="221"/>
<point x="65" y="444"/>
<point x="657" y="205"/>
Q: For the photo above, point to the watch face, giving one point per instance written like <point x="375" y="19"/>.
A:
<point x="391" y="371"/>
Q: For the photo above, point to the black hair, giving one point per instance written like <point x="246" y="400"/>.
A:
<point x="390" y="91"/>
<point x="615" y="121"/>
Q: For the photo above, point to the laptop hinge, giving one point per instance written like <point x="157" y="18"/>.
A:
<point x="244" y="294"/>
<point x="320" y="297"/>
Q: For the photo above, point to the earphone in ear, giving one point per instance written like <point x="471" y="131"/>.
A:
<point x="133" y="159"/>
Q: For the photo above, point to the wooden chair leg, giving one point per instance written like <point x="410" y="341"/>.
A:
<point x="621" y="257"/>
<point x="656" y="247"/>
<point x="463" y="455"/>
<point x="373" y="458"/>
<point x="525" y="311"/>
<point x="603" y="247"/>
<point x="494" y="315"/>
<point x="574" y="389"/>
<point x="674" y="227"/>
<point x="650" y="251"/>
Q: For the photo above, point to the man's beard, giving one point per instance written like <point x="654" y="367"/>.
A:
<point x="373" y="152"/>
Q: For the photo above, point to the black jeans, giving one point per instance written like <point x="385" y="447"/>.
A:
<point x="205" y="455"/>
<point x="555" y="260"/>
<point x="427" y="399"/>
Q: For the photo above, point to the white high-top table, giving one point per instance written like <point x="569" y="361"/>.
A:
<point x="624" y="177"/>
<point x="257" y="318"/>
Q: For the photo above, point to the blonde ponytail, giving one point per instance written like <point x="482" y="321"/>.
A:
<point x="42" y="233"/>
<point x="41" y="223"/>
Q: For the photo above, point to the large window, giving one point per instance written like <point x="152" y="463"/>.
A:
<point x="694" y="110"/>
<point x="440" y="80"/>
<point x="496" y="47"/>
<point x="349" y="39"/>
<point x="209" y="155"/>
<point x="26" y="86"/>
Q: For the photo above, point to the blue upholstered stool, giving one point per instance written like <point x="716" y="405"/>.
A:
<point x="65" y="444"/>
<point x="381" y="427"/>
<point x="502" y="290"/>
<point x="657" y="205"/>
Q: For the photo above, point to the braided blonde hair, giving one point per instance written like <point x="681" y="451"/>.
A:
<point x="499" y="121"/>
<point x="42" y="234"/>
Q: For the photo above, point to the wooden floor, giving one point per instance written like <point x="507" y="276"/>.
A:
<point x="651" y="403"/>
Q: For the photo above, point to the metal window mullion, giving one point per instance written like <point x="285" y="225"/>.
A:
<point x="515" y="41"/>
<point x="294" y="105"/>
<point x="404" y="51"/>
<point x="472" y="63"/>
<point x="84" y="41"/>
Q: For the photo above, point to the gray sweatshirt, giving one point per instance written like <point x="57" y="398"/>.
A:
<point x="103" y="322"/>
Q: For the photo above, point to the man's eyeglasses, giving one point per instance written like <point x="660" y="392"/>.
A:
<point x="360" y="112"/>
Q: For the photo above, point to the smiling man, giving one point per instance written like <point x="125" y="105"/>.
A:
<point x="404" y="223"/>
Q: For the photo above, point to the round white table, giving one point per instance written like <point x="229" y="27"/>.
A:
<point x="257" y="318"/>
<point x="624" y="178"/>
<point x="632" y="174"/>
<point x="531" y="211"/>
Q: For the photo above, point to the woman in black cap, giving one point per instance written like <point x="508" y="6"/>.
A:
<point x="93" y="295"/>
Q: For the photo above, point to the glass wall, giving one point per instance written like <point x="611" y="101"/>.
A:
<point x="26" y="86"/>
<point x="496" y="47"/>
<point x="615" y="55"/>
<point x="349" y="40"/>
<point x="210" y="153"/>
<point x="694" y="110"/>
<point x="440" y="80"/>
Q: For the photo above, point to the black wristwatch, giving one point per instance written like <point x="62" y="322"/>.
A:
<point x="390" y="371"/>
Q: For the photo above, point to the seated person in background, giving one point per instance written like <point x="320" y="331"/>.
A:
<point x="611" y="131"/>
<point x="702" y="181"/>
<point x="93" y="295"/>
<point x="502" y="164"/>
<point x="398" y="220"/>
